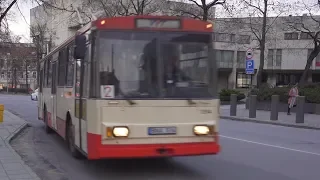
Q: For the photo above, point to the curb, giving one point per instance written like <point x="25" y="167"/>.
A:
<point x="10" y="138"/>
<point x="268" y="122"/>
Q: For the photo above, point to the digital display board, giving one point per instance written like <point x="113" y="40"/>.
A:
<point x="158" y="23"/>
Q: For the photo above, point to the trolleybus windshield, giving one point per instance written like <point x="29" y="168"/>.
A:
<point x="155" y="65"/>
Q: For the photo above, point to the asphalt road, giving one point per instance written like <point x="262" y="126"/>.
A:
<point x="249" y="152"/>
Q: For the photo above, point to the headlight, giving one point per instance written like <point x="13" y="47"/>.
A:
<point x="120" y="131"/>
<point x="201" y="130"/>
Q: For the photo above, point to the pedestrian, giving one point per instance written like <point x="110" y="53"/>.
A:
<point x="293" y="93"/>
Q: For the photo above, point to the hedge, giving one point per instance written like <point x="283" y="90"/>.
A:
<point x="226" y="93"/>
<point x="310" y="91"/>
<point x="16" y="90"/>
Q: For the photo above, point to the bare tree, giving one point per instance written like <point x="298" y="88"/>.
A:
<point x="259" y="23"/>
<point x="201" y="12"/>
<point x="42" y="40"/>
<point x="309" y="28"/>
<point x="4" y="10"/>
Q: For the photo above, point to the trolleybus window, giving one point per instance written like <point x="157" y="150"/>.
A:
<point x="129" y="61"/>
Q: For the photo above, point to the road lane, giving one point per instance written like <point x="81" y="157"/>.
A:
<point x="48" y="155"/>
<point x="294" y="138"/>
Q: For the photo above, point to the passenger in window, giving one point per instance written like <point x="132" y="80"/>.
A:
<point x="172" y="71"/>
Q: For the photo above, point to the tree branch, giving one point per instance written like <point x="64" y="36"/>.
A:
<point x="6" y="11"/>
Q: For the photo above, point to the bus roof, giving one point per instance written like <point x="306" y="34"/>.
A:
<point x="143" y="22"/>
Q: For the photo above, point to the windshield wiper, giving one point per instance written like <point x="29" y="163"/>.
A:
<point x="190" y="102"/>
<point x="128" y="100"/>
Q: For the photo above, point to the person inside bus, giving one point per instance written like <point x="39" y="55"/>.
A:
<point x="172" y="71"/>
<point x="149" y="67"/>
<point x="109" y="78"/>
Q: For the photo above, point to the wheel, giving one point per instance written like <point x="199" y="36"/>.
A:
<point x="47" y="128"/>
<point x="70" y="140"/>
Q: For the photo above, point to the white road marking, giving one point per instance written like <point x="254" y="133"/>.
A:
<point x="270" y="145"/>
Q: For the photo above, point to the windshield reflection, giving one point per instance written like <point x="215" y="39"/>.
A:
<point x="141" y="66"/>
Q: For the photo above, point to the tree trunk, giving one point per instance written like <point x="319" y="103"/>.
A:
<point x="205" y="14"/>
<point x="262" y="43"/>
<point x="311" y="57"/>
<point x="27" y="89"/>
<point x="15" y="80"/>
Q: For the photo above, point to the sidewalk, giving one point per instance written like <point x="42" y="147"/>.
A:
<point x="11" y="165"/>
<point x="311" y="121"/>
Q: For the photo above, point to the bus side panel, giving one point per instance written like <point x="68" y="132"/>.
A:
<point x="40" y="105"/>
<point x="48" y="103"/>
<point x="69" y="105"/>
<point x="62" y="109"/>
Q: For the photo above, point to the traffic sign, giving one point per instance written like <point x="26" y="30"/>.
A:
<point x="249" y="54"/>
<point x="250" y="66"/>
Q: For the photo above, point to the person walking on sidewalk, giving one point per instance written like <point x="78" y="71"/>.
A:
<point x="293" y="93"/>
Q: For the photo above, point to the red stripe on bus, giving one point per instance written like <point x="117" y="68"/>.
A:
<point x="61" y="127"/>
<point x="98" y="151"/>
<point x="49" y="119"/>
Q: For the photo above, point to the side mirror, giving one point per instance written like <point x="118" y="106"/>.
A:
<point x="80" y="49"/>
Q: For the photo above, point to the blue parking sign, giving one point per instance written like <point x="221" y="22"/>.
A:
<point x="250" y="66"/>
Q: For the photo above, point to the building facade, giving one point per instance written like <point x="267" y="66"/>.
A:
<point x="286" y="53"/>
<point x="18" y="66"/>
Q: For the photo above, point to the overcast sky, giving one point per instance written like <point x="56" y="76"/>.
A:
<point x="20" y="22"/>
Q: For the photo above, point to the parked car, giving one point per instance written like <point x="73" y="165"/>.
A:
<point x="34" y="95"/>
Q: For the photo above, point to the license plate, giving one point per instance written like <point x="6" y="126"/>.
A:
<point x="162" y="130"/>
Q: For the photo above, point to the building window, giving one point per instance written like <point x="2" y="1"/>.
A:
<point x="224" y="58"/>
<point x="244" y="80"/>
<point x="241" y="59"/>
<point x="2" y="63"/>
<point x="291" y="36"/>
<point x="305" y="35"/>
<point x="224" y="37"/>
<point x="243" y="39"/>
<point x="270" y="58"/>
<point x="34" y="74"/>
<point x="278" y="57"/>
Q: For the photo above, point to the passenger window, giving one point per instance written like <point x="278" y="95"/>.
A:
<point x="49" y="73"/>
<point x="62" y="68"/>
<point x="70" y="67"/>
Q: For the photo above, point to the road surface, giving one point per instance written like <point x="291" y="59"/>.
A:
<point x="249" y="152"/>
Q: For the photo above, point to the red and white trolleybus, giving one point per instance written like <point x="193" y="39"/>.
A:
<point x="133" y="87"/>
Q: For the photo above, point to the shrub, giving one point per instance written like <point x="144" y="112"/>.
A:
<point x="17" y="90"/>
<point x="311" y="92"/>
<point x="226" y="93"/>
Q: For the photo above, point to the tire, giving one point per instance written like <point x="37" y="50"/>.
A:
<point x="46" y="126"/>
<point x="70" y="140"/>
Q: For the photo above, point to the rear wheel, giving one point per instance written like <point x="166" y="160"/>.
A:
<point x="70" y="140"/>
<point x="45" y="117"/>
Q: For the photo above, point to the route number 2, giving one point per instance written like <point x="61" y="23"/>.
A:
<point x="107" y="91"/>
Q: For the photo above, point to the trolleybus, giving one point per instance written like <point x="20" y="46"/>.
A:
<point x="133" y="87"/>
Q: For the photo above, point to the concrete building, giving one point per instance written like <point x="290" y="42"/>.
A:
<point x="18" y="65"/>
<point x="287" y="50"/>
